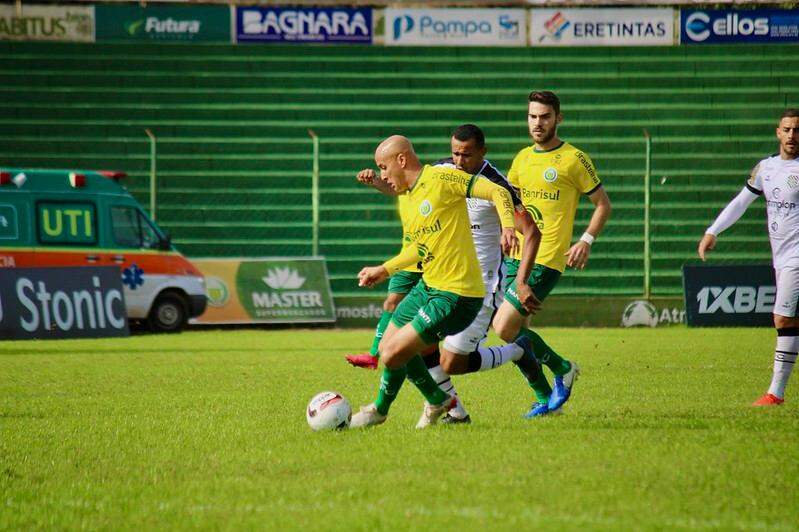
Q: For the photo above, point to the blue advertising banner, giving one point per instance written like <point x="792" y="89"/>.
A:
<point x="750" y="26"/>
<point x="335" y="25"/>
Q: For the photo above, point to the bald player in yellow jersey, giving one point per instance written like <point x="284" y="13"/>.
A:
<point x="451" y="291"/>
<point x="551" y="176"/>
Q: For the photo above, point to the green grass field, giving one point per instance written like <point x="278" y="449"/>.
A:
<point x="207" y="430"/>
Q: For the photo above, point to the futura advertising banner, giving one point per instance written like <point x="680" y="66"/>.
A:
<point x="745" y="26"/>
<point x="267" y="290"/>
<point x="456" y="27"/>
<point x="167" y="23"/>
<point x="43" y="303"/>
<point x="741" y="295"/>
<point x="331" y="25"/>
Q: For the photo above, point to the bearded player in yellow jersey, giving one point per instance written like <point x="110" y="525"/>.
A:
<point x="451" y="291"/>
<point x="550" y="175"/>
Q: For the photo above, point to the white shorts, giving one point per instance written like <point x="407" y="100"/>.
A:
<point x="787" y="291"/>
<point x="467" y="340"/>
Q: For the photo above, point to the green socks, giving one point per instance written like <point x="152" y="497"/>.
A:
<point x="546" y="355"/>
<point x="382" y="325"/>
<point x="391" y="381"/>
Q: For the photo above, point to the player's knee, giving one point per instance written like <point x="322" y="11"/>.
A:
<point x="505" y="329"/>
<point x="391" y="359"/>
<point x="784" y="322"/>
<point x="449" y="362"/>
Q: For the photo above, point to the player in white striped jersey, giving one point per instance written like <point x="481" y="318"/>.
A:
<point x="777" y="179"/>
<point x="462" y="353"/>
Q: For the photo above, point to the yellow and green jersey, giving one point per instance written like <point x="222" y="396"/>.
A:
<point x="436" y="225"/>
<point x="405" y="209"/>
<point x="550" y="184"/>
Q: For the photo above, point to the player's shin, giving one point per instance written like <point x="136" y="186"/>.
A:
<point x="421" y="378"/>
<point x="390" y="383"/>
<point x="784" y="359"/>
<point x="433" y="362"/>
<point x="385" y="319"/>
<point x="546" y="355"/>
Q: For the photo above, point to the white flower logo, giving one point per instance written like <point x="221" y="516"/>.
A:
<point x="285" y="278"/>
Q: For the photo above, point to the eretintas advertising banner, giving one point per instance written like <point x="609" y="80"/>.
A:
<point x="47" y="23"/>
<point x="741" y="295"/>
<point x="727" y="26"/>
<point x="156" y="23"/>
<point x="84" y="302"/>
<point x="456" y="27"/>
<point x="333" y="25"/>
<point x="268" y="290"/>
<point x="601" y="27"/>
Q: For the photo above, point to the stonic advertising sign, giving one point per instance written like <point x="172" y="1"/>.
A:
<point x="455" y="27"/>
<point x="268" y="290"/>
<point x="601" y="27"/>
<point x="83" y="302"/>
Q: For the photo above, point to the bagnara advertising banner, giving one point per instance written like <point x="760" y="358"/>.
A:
<point x="741" y="295"/>
<point x="455" y="27"/>
<point x="46" y="23"/>
<point x="602" y="27"/>
<point x="266" y="290"/>
<point x="156" y="23"/>
<point x="728" y="26"/>
<point x="43" y="303"/>
<point x="333" y="25"/>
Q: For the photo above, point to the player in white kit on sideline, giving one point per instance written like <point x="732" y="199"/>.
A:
<point x="777" y="179"/>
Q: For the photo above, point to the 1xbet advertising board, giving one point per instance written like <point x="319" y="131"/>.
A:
<point x="741" y="296"/>
<point x="456" y="27"/>
<point x="84" y="302"/>
<point x="601" y="27"/>
<point x="727" y="26"/>
<point x="155" y="23"/>
<point x="335" y="25"/>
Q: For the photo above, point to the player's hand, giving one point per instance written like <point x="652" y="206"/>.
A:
<point x="527" y="298"/>
<point x="366" y="176"/>
<point x="578" y="255"/>
<point x="372" y="275"/>
<point x="509" y="241"/>
<point x="707" y="243"/>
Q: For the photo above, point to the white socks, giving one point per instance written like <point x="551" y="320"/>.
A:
<point x="493" y="357"/>
<point x="446" y="386"/>
<point x="784" y="359"/>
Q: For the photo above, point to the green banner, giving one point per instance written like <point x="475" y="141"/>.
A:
<point x="66" y="223"/>
<point x="268" y="290"/>
<point x="9" y="225"/>
<point x="174" y="23"/>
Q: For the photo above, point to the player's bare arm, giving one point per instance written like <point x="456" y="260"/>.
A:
<point x="578" y="254"/>
<point x="532" y="240"/>
<point x="369" y="177"/>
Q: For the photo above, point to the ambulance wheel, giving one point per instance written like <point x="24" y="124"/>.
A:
<point x="168" y="313"/>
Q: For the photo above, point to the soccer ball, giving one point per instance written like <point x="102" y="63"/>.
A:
<point x="328" y="411"/>
<point x="639" y="313"/>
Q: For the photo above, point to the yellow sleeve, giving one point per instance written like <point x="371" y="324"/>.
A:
<point x="513" y="173"/>
<point x="484" y="189"/>
<point x="586" y="178"/>
<point x="407" y="257"/>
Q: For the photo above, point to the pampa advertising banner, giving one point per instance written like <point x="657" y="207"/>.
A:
<point x="335" y="25"/>
<point x="44" y="303"/>
<point x="601" y="27"/>
<point x="456" y="27"/>
<point x="47" y="23"/>
<point x="727" y="26"/>
<point x="155" y="23"/>
<point x="267" y="290"/>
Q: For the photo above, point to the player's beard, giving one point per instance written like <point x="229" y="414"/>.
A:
<point x="547" y="136"/>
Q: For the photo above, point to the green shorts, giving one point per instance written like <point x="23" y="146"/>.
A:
<point x="542" y="280"/>
<point x="435" y="314"/>
<point x="403" y="282"/>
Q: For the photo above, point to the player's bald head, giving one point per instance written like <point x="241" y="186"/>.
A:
<point x="393" y="146"/>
